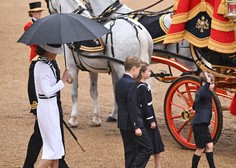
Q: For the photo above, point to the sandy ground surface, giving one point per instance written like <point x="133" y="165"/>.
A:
<point x="103" y="144"/>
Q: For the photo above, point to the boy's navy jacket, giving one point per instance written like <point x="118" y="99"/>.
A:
<point x="203" y="105"/>
<point x="129" y="115"/>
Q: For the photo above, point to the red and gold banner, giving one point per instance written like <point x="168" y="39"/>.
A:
<point x="203" y="24"/>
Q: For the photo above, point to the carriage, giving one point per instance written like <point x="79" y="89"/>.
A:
<point x="180" y="95"/>
<point x="181" y="92"/>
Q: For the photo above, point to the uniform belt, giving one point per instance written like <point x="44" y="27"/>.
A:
<point x="41" y="96"/>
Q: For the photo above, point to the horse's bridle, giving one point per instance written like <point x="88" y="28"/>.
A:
<point x="88" y="6"/>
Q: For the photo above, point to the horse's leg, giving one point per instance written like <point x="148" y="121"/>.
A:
<point x="116" y="74"/>
<point x="74" y="95"/>
<point x="94" y="94"/>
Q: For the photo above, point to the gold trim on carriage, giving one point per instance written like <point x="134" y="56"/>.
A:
<point x="206" y="25"/>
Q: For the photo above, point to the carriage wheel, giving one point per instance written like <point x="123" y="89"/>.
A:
<point x="178" y="112"/>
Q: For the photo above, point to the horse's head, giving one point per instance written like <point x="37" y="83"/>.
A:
<point x="67" y="6"/>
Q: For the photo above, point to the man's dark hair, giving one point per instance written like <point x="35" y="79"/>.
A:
<point x="40" y="51"/>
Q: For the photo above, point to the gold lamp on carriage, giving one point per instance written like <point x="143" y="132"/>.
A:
<point x="231" y="10"/>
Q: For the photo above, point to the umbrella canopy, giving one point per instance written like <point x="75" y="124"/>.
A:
<point x="62" y="28"/>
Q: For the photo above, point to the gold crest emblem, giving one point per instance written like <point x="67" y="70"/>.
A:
<point x="202" y="24"/>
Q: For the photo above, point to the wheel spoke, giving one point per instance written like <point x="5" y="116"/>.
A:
<point x="188" y="91"/>
<point x="190" y="134"/>
<point x="177" y="105"/>
<point x="182" y="126"/>
<point x="177" y="116"/>
<point x="212" y="123"/>
<point x="180" y="94"/>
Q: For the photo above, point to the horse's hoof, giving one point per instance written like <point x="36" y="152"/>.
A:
<point x="95" y="125"/>
<point x="110" y="119"/>
<point x="72" y="123"/>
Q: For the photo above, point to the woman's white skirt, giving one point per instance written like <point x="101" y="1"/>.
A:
<point x="49" y="125"/>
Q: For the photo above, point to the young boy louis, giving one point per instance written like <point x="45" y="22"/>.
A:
<point x="137" y="144"/>
<point x="203" y="113"/>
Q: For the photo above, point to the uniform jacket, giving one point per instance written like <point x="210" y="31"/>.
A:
<point x="31" y="87"/>
<point x="129" y="115"/>
<point x="203" y="105"/>
<point x="32" y="47"/>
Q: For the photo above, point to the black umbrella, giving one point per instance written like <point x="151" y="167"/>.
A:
<point x="61" y="29"/>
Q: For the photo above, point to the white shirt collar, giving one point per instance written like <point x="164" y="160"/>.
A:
<point x="34" y="19"/>
<point x="129" y="74"/>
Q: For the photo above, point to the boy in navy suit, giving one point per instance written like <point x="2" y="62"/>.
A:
<point x="137" y="145"/>
<point x="203" y="113"/>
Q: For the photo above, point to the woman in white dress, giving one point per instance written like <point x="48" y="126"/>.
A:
<point x="46" y="86"/>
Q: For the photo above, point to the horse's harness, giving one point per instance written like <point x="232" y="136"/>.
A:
<point x="110" y="9"/>
<point x="112" y="59"/>
<point x="78" y="10"/>
<point x="104" y="17"/>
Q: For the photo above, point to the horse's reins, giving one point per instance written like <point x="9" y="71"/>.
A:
<point x="151" y="13"/>
<point x="116" y="5"/>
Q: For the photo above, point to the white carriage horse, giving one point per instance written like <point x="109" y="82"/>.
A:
<point x="128" y="38"/>
<point x="113" y="9"/>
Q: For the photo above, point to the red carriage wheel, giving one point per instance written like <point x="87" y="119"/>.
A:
<point x="178" y="111"/>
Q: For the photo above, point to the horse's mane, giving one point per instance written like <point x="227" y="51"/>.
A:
<point x="71" y="4"/>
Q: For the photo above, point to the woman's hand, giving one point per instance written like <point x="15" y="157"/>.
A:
<point x="66" y="76"/>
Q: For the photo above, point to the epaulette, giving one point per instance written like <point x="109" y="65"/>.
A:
<point x="34" y="105"/>
<point x="36" y="58"/>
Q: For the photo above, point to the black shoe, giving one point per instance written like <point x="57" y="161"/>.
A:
<point x="62" y="164"/>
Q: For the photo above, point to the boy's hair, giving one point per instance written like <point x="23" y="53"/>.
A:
<point x="143" y="68"/>
<point x="131" y="61"/>
<point x="202" y="77"/>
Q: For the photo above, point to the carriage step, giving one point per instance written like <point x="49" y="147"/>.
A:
<point x="160" y="73"/>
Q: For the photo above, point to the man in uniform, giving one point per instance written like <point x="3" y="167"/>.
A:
<point x="35" y="13"/>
